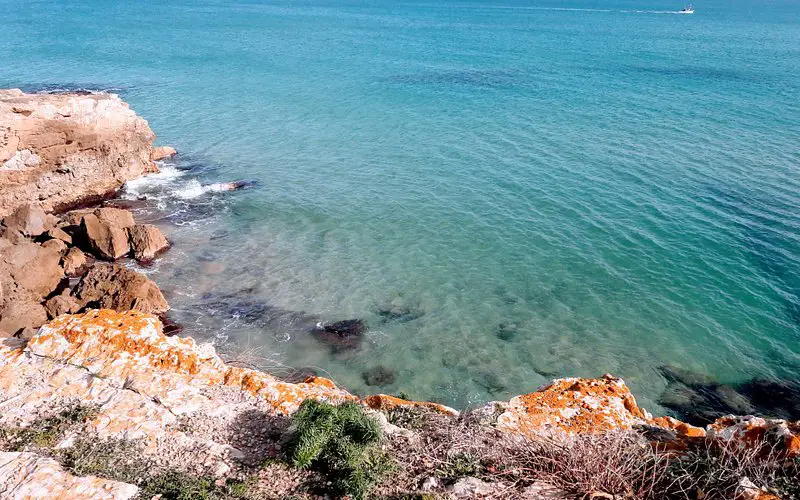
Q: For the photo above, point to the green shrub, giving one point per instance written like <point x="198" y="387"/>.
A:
<point x="342" y="442"/>
<point x="459" y="465"/>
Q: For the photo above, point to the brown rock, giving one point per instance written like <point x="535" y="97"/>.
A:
<point x="74" y="262"/>
<point x="61" y="304"/>
<point x="107" y="241"/>
<point x="29" y="220"/>
<point x="74" y="217"/>
<point x="117" y="217"/>
<point x="121" y="289"/>
<point x="161" y="152"/>
<point x="56" y="245"/>
<point x="60" y="150"/>
<point x="146" y="241"/>
<point x="33" y="268"/>
<point x="20" y="314"/>
<point x="59" y="234"/>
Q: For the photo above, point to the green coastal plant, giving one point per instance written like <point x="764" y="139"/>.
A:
<point x="341" y="442"/>
<point x="46" y="432"/>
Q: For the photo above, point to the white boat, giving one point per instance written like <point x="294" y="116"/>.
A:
<point x="686" y="10"/>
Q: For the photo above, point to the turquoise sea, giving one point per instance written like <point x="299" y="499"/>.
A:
<point x="505" y="191"/>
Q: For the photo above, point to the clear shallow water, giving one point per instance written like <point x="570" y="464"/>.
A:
<point x="504" y="191"/>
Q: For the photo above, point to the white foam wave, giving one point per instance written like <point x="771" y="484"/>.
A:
<point x="166" y="175"/>
<point x="193" y="189"/>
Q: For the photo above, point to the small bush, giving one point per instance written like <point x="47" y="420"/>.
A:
<point x="616" y="463"/>
<point x="715" y="470"/>
<point x="341" y="442"/>
<point x="459" y="465"/>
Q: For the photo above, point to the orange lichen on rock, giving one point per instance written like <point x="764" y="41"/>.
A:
<point x="583" y="406"/>
<point x="776" y="435"/>
<point x="130" y="348"/>
<point x="385" y="402"/>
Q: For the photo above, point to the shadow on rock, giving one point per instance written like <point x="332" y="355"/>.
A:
<point x="258" y="435"/>
<point x="699" y="399"/>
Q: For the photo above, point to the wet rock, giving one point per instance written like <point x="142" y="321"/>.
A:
<point x="110" y="286"/>
<point x="56" y="245"/>
<point x="108" y="241"/>
<point x="161" y="152"/>
<point x="342" y="335"/>
<point x="20" y="314"/>
<point x="74" y="262"/>
<point x="378" y="376"/>
<point x="29" y="219"/>
<point x="146" y="241"/>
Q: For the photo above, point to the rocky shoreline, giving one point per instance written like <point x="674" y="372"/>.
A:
<point x="79" y="329"/>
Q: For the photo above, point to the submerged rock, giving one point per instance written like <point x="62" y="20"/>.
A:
<point x="699" y="399"/>
<point x="378" y="376"/>
<point x="341" y="335"/>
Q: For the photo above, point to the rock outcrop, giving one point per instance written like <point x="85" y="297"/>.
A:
<point x="581" y="406"/>
<point x="26" y="476"/>
<point x="60" y="150"/>
<point x="111" y="286"/>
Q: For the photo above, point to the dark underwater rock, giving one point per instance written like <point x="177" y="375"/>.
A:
<point x="378" y="376"/>
<point x="400" y="314"/>
<point x="700" y="400"/>
<point x="341" y="335"/>
<point x="506" y="331"/>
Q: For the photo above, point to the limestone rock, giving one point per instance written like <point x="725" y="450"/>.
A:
<point x="116" y="287"/>
<point x="107" y="241"/>
<point x="579" y="406"/>
<point x="146" y="241"/>
<point x="28" y="219"/>
<point x="60" y="150"/>
<point x="780" y="435"/>
<point x="471" y="487"/>
<point x="27" y="475"/>
<point x="74" y="262"/>
<point x="161" y="152"/>
<point x="385" y="402"/>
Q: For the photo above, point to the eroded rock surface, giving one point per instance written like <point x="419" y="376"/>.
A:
<point x="58" y="150"/>
<point x="578" y="406"/>
<point x="111" y="286"/>
<point x="25" y="476"/>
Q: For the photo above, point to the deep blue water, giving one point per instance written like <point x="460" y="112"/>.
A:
<point x="506" y="191"/>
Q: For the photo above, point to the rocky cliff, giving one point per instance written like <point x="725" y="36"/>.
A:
<point x="59" y="150"/>
<point x="190" y="407"/>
